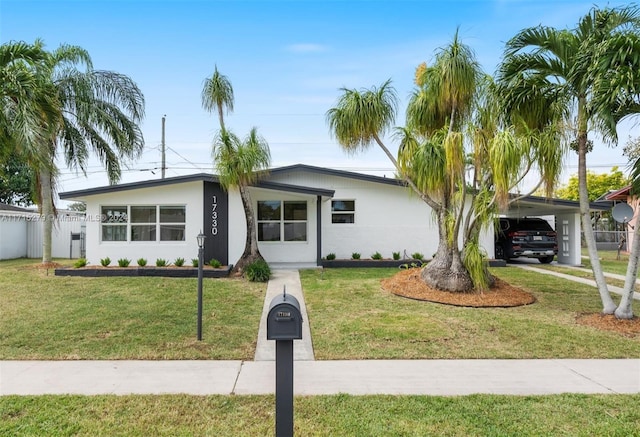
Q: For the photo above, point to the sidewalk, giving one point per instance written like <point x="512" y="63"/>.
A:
<point x="396" y="377"/>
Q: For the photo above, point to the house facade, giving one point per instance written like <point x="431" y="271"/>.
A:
<point x="303" y="213"/>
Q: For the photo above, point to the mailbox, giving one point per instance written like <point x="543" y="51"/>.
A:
<point x="284" y="320"/>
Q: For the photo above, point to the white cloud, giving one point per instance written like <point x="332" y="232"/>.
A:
<point x="306" y="48"/>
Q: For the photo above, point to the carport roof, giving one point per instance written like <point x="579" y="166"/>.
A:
<point x="538" y="206"/>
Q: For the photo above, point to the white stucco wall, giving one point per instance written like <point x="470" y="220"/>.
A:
<point x="388" y="218"/>
<point x="189" y="194"/>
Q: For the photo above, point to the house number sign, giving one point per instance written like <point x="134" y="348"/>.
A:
<point x="214" y="215"/>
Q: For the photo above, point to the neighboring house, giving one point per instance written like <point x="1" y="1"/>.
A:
<point x="302" y="214"/>
<point x="624" y="195"/>
<point x="21" y="233"/>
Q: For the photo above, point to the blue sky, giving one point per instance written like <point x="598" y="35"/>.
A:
<point x="285" y="59"/>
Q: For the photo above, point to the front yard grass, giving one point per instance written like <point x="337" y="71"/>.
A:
<point x="352" y="317"/>
<point x="46" y="317"/>
<point x="340" y="415"/>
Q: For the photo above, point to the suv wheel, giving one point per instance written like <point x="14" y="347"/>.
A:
<point x="545" y="259"/>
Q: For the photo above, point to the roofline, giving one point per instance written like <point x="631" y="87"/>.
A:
<point x="600" y="206"/>
<point x="339" y="173"/>
<point x="206" y="177"/>
<point x="269" y="185"/>
<point x="619" y="192"/>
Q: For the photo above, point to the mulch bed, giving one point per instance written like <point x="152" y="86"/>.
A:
<point x="407" y="283"/>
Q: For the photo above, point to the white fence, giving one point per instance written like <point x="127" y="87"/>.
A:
<point x="21" y="236"/>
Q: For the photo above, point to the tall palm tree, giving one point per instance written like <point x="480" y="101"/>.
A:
<point x="453" y="126"/>
<point x="100" y="114"/>
<point x="217" y="95"/>
<point x="558" y="62"/>
<point x="617" y="66"/>
<point x="239" y="164"/>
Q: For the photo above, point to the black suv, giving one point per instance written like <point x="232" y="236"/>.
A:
<point x="530" y="237"/>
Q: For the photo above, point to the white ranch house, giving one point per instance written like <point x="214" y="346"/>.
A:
<point x="303" y="213"/>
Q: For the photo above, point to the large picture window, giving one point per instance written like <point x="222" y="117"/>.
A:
<point x="143" y="223"/>
<point x="343" y="211"/>
<point x="282" y="220"/>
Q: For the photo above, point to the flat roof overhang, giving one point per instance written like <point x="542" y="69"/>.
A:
<point x="539" y="206"/>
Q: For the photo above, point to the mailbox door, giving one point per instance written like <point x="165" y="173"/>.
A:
<point x="284" y="322"/>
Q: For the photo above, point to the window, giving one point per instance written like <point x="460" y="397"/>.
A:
<point x="143" y="223"/>
<point x="343" y="211"/>
<point x="282" y="221"/>
<point x="114" y="223"/>
<point x="172" y="222"/>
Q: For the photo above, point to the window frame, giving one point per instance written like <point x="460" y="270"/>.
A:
<point x="157" y="226"/>
<point x="282" y="222"/>
<point x="343" y="212"/>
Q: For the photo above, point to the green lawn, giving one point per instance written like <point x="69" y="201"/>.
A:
<point x="352" y="317"/>
<point x="608" y="261"/>
<point x="341" y="415"/>
<point x="60" y="317"/>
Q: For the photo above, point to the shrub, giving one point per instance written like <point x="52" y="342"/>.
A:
<point x="142" y="262"/>
<point x="376" y="255"/>
<point x="194" y="262"/>
<point x="417" y="255"/>
<point x="179" y="262"/>
<point x="124" y="262"/>
<point x="331" y="256"/>
<point x="105" y="261"/>
<point x="215" y="263"/>
<point x="396" y="256"/>
<point x="80" y="263"/>
<point x="161" y="262"/>
<point x="258" y="271"/>
<point x="355" y="255"/>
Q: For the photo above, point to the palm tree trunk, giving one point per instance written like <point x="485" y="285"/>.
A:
<point x="47" y="213"/>
<point x="220" y="116"/>
<point x="625" y="309"/>
<point x="608" y="305"/>
<point x="251" y="252"/>
<point x="446" y="271"/>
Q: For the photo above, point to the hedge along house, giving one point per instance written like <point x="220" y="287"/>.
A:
<point x="302" y="214"/>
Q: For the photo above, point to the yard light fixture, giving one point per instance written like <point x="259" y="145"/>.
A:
<point x="201" y="237"/>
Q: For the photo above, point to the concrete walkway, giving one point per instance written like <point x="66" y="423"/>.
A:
<point x="407" y="377"/>
<point x="266" y="349"/>
<point x="585" y="281"/>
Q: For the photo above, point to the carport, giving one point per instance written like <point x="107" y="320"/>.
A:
<point x="567" y="221"/>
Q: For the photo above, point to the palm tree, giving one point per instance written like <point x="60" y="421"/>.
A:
<point x="29" y="103"/>
<point x="217" y="94"/>
<point x="239" y="164"/>
<point x="100" y="114"/>
<point x="453" y="130"/>
<point x="618" y="61"/>
<point x="557" y="62"/>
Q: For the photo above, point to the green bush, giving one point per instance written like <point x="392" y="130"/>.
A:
<point x="355" y="255"/>
<point x="80" y="263"/>
<point x="124" y="262"/>
<point x="258" y="271"/>
<point x="142" y="262"/>
<point x="331" y="256"/>
<point x="179" y="262"/>
<point x="396" y="256"/>
<point x="417" y="255"/>
<point x="161" y="262"/>
<point x="215" y="263"/>
<point x="194" y="262"/>
<point x="376" y="255"/>
<point x="105" y="261"/>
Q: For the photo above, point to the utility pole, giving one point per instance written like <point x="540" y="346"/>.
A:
<point x="163" y="147"/>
